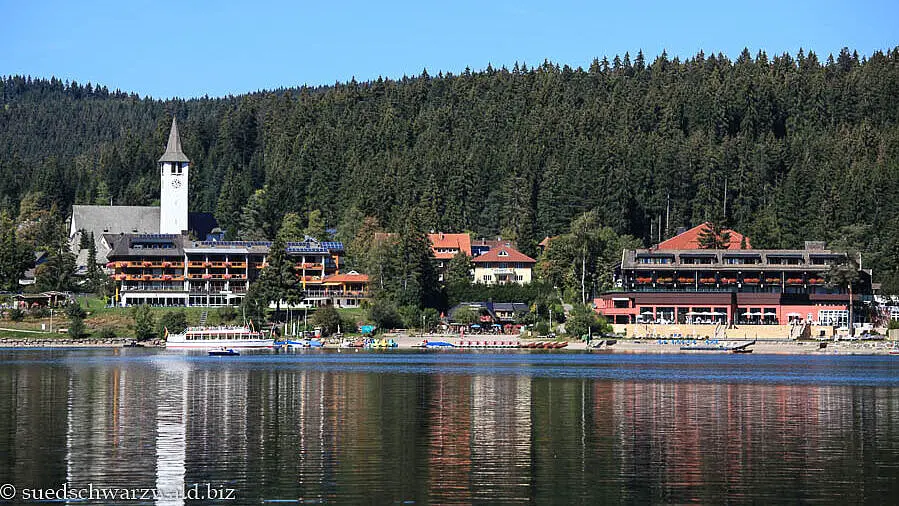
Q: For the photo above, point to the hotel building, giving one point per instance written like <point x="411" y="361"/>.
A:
<point x="677" y="282"/>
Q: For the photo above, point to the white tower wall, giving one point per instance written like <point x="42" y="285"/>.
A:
<point x="173" y="197"/>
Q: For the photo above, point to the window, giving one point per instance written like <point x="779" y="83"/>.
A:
<point x="487" y="277"/>
<point x="503" y="253"/>
<point x="177" y="168"/>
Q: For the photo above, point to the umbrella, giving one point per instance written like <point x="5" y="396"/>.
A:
<point x="770" y="314"/>
<point x="795" y="314"/>
<point x="691" y="313"/>
<point x="750" y="313"/>
<point x="646" y="313"/>
<point x="475" y="326"/>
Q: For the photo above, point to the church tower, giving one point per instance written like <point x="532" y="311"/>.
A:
<point x="173" y="167"/>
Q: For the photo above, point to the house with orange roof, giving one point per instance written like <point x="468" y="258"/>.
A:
<point x="346" y="290"/>
<point x="446" y="246"/>
<point x="503" y="265"/>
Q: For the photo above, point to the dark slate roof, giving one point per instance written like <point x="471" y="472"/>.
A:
<point x="201" y="224"/>
<point x="146" y="245"/>
<point x="173" y="152"/>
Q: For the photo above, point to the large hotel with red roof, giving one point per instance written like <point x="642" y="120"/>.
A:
<point x="678" y="282"/>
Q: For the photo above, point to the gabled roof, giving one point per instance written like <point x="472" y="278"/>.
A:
<point x="690" y="240"/>
<point x="349" y="277"/>
<point x="461" y="242"/>
<point x="504" y="254"/>
<point x="173" y="152"/>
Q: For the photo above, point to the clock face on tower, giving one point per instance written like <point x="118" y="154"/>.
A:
<point x="176" y="183"/>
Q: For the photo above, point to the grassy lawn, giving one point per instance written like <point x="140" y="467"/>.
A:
<point x="119" y="319"/>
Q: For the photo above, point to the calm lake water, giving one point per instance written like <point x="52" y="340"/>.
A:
<point x="450" y="427"/>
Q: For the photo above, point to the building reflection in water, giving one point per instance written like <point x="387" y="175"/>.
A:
<point x="306" y="432"/>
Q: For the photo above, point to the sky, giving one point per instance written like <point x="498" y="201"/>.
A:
<point x="191" y="48"/>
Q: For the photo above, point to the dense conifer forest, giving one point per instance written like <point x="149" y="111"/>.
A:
<point x="784" y="149"/>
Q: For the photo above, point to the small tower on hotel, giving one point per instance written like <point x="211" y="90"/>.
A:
<point x="174" y="167"/>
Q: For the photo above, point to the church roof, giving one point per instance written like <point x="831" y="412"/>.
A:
<point x="116" y="219"/>
<point x="173" y="152"/>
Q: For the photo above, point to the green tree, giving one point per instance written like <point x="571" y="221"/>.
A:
<point x="465" y="315"/>
<point x="316" y="226"/>
<point x="58" y="271"/>
<point x="583" y="321"/>
<point x="144" y="323"/>
<point x="328" y="319"/>
<point x="714" y="235"/>
<point x="278" y="281"/>
<point x="96" y="279"/>
<point x="255" y="304"/>
<point x="291" y="228"/>
<point x="15" y="256"/>
<point x="173" y="322"/>
<point x="384" y="314"/>
<point x="76" y="328"/>
<point x="458" y="271"/>
<point x="255" y="224"/>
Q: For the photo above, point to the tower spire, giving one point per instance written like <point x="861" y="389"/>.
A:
<point x="173" y="152"/>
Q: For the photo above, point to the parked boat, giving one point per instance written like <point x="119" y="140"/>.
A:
<point x="219" y="337"/>
<point x="224" y="352"/>
<point x="435" y="344"/>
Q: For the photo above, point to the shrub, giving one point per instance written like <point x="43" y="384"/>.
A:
<point x="226" y="314"/>
<point x="106" y="333"/>
<point x="16" y="314"/>
<point x="173" y="321"/>
<point x="328" y="319"/>
<point x="383" y="314"/>
<point x="144" y="323"/>
<point x="74" y="310"/>
<point x="76" y="328"/>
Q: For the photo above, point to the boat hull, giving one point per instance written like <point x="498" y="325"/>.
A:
<point x="178" y="342"/>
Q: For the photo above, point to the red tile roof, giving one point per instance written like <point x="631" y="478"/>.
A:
<point x="512" y="255"/>
<point x="458" y="242"/>
<point x="690" y="240"/>
<point x="350" y="277"/>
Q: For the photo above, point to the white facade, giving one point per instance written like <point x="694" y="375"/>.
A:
<point x="487" y="274"/>
<point x="173" y="197"/>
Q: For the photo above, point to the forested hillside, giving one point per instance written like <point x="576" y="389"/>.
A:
<point x="803" y="147"/>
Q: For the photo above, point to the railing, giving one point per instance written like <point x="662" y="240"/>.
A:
<point x="151" y="288"/>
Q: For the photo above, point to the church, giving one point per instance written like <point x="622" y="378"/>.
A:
<point x="171" y="217"/>
<point x="166" y="256"/>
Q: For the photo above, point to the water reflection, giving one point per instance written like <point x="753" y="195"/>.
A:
<point x="290" y="432"/>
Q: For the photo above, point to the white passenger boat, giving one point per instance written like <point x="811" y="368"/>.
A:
<point x="219" y="337"/>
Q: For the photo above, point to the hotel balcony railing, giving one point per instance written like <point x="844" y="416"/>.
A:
<point x="349" y="294"/>
<point x="153" y="288"/>
<point x="309" y="266"/>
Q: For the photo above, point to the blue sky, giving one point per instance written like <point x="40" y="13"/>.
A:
<point x="190" y="48"/>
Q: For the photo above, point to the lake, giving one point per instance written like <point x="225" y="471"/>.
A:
<point x="422" y="427"/>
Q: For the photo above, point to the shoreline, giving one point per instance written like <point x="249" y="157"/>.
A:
<point x="621" y="346"/>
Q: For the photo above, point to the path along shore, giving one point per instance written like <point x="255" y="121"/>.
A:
<point x="649" y="346"/>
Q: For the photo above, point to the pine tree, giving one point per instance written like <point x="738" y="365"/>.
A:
<point x="714" y="235"/>
<point x="15" y="256"/>
<point x="316" y="226"/>
<point x="291" y="228"/>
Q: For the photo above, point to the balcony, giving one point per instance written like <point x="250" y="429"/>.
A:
<point x="309" y="266"/>
<point x="196" y="264"/>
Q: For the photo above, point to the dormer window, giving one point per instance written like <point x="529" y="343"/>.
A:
<point x="503" y="253"/>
